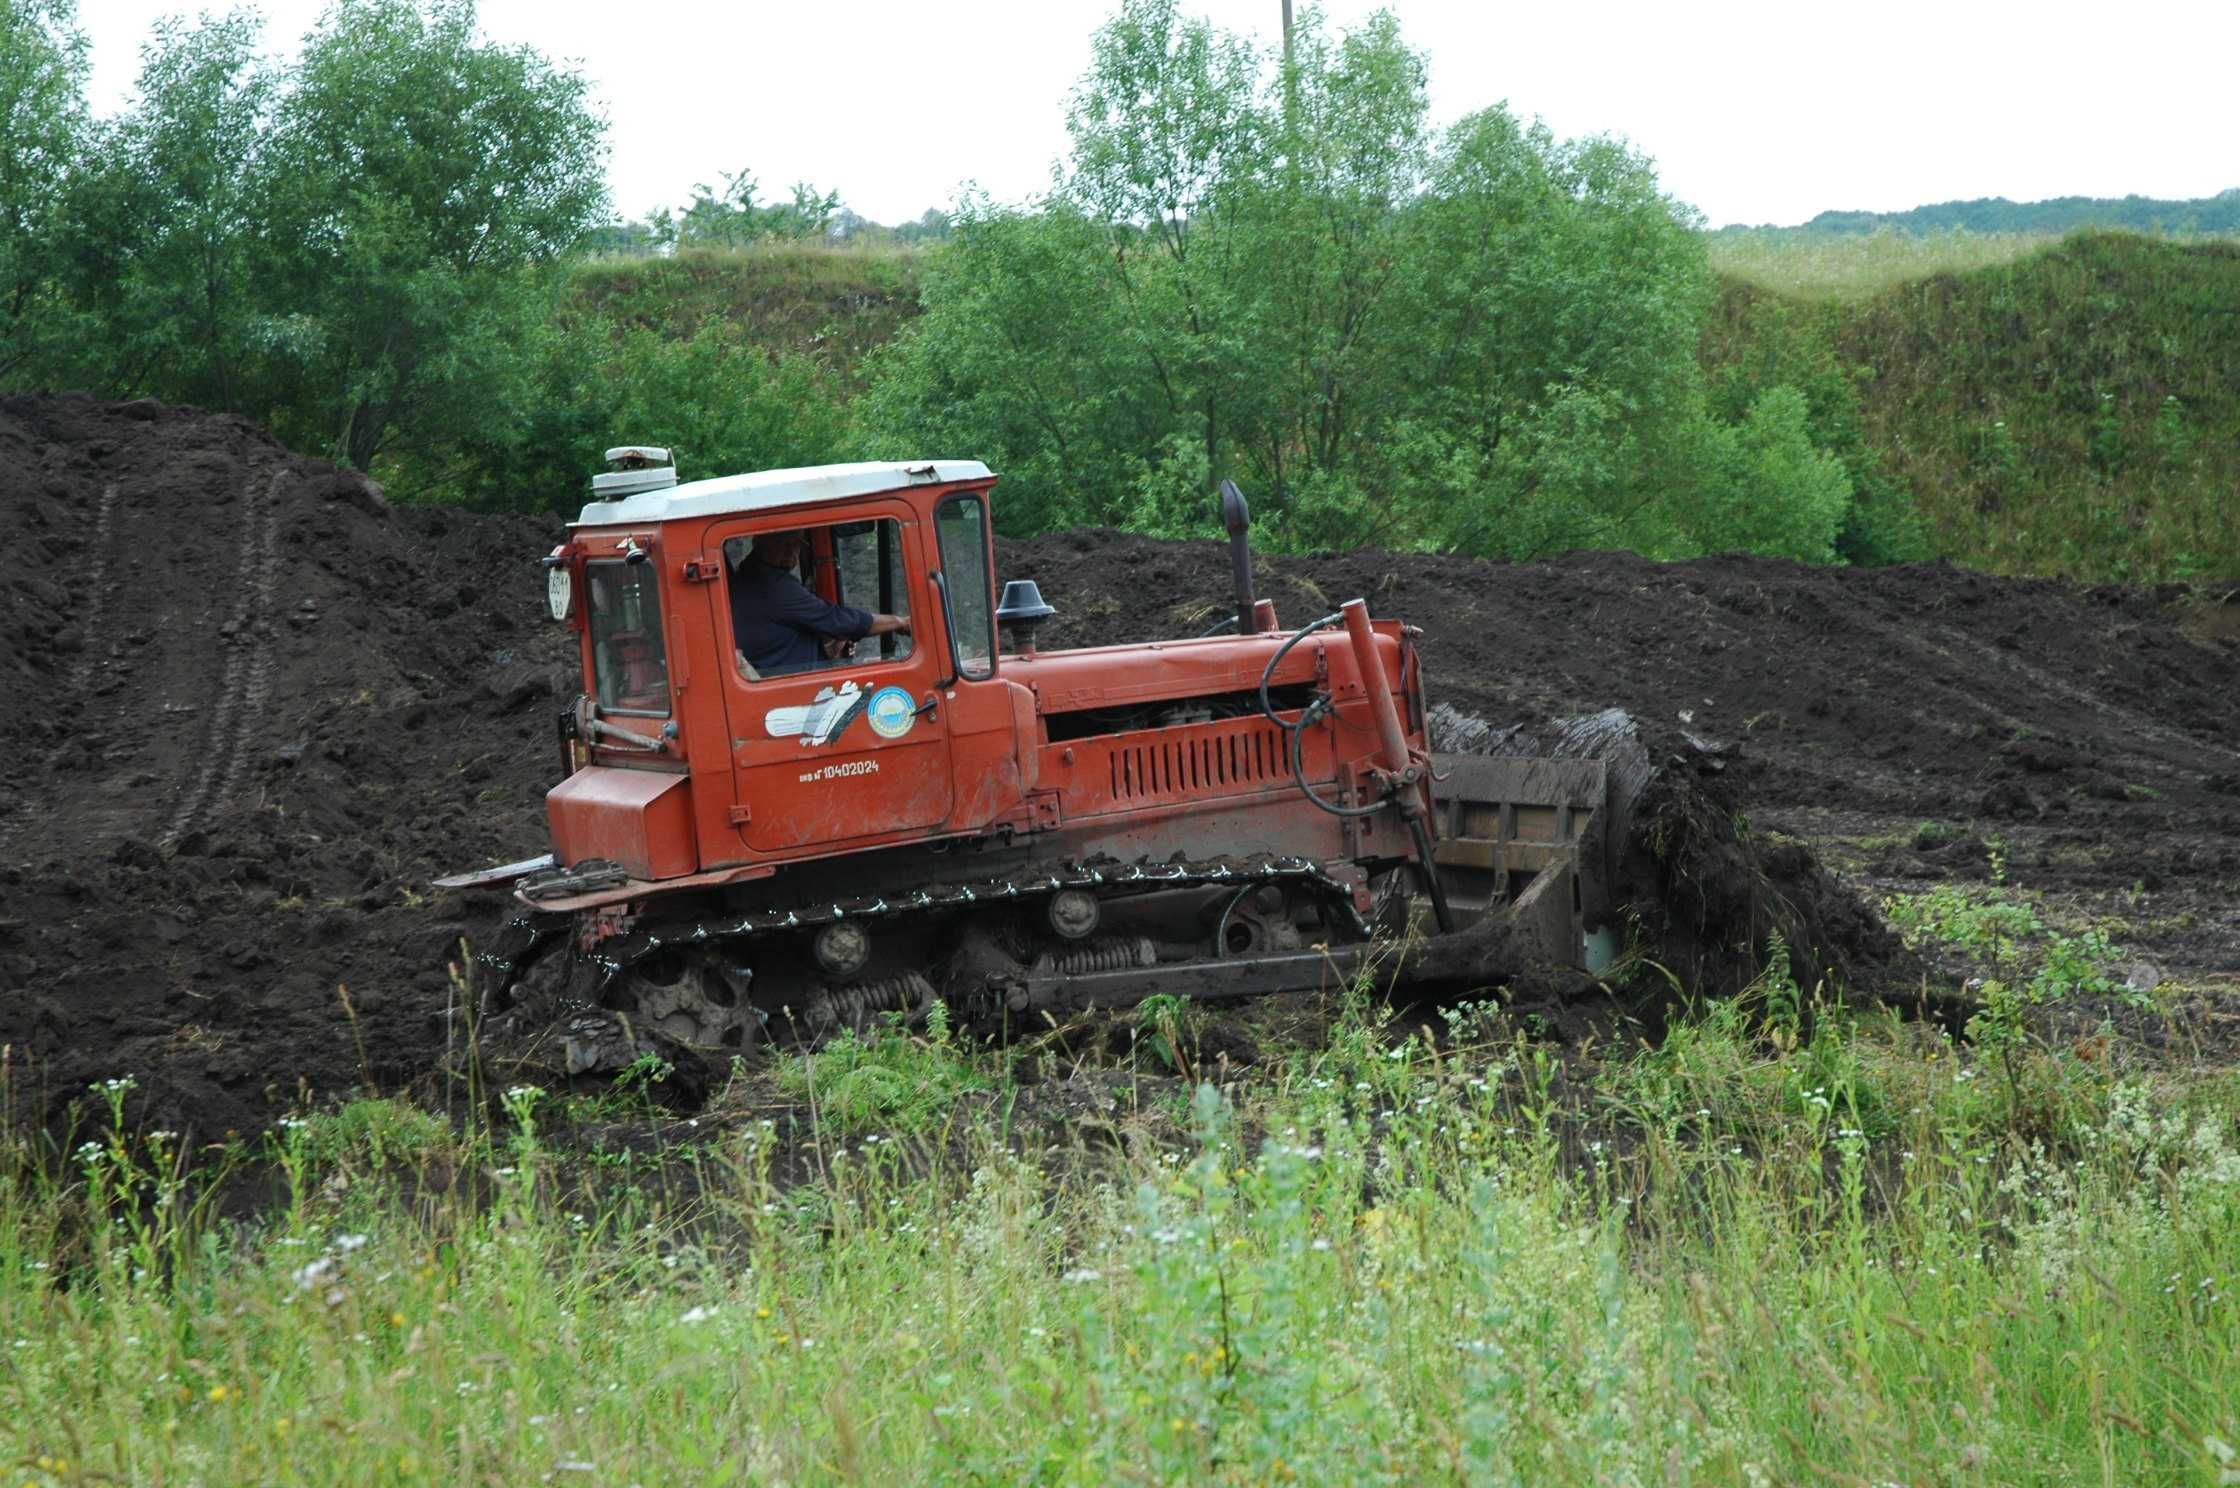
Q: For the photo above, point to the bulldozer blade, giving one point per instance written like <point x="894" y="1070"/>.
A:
<point x="1527" y="838"/>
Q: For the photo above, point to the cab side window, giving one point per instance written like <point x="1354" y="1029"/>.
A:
<point x="629" y="662"/>
<point x="807" y="599"/>
<point x="962" y="522"/>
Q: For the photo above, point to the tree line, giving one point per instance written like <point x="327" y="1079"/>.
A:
<point x="1480" y="338"/>
<point x="2204" y="216"/>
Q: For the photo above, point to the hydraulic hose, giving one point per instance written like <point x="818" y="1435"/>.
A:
<point x="1310" y="714"/>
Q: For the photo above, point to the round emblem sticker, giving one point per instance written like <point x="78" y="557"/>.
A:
<point x="893" y="712"/>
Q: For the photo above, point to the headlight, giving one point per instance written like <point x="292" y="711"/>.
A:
<point x="559" y="591"/>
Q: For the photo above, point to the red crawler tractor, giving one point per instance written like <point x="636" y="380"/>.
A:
<point x="944" y="814"/>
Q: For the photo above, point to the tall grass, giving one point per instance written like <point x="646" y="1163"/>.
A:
<point x="1849" y="1256"/>
<point x="1853" y="266"/>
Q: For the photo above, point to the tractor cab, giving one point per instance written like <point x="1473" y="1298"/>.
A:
<point x="739" y="705"/>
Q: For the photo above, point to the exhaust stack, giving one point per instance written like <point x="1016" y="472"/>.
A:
<point x="1236" y="515"/>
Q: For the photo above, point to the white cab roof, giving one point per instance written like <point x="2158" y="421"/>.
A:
<point x="764" y="490"/>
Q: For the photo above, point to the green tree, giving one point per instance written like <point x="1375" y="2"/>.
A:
<point x="1482" y="338"/>
<point x="43" y="122"/>
<point x="732" y="218"/>
<point x="1770" y="490"/>
<point x="424" y="181"/>
<point x="1336" y="248"/>
<point x="719" y="403"/>
<point x="1023" y="356"/>
<point x="167" y="220"/>
<point x="1758" y="342"/>
<point x="1557" y="311"/>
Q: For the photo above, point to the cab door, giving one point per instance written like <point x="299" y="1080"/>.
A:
<point x="851" y="748"/>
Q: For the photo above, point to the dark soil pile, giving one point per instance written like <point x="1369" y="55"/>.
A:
<point x="258" y="709"/>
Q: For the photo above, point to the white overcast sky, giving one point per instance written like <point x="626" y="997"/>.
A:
<point x="1762" y="112"/>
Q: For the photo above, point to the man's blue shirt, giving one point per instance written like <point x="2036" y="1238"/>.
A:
<point x="778" y="622"/>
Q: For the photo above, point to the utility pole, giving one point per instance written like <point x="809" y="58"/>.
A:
<point x="1290" y="78"/>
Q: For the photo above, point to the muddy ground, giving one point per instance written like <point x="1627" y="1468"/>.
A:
<point x="258" y="709"/>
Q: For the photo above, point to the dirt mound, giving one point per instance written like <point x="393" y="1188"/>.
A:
<point x="258" y="709"/>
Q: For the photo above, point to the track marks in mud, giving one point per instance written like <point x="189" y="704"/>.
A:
<point x="93" y="618"/>
<point x="245" y="686"/>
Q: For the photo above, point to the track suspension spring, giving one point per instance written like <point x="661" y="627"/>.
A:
<point x="855" y="1006"/>
<point x="1116" y="954"/>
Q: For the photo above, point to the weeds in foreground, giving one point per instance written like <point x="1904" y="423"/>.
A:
<point x="1385" y="1260"/>
<point x="891" y="1077"/>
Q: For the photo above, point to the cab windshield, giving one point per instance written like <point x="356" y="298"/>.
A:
<point x="629" y="667"/>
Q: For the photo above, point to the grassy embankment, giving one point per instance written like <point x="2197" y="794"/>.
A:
<point x="1850" y="266"/>
<point x="2062" y="408"/>
<point x="836" y="304"/>
<point x="1767" y="1251"/>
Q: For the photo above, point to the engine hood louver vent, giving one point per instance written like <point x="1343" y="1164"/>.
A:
<point x="1200" y="764"/>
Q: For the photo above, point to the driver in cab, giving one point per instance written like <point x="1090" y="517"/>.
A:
<point x="779" y="625"/>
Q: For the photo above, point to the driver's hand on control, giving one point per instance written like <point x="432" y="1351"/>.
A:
<point x="836" y="649"/>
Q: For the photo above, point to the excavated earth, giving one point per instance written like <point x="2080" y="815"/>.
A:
<point x="257" y="709"/>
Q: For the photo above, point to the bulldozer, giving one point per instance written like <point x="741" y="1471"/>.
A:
<point x="941" y="811"/>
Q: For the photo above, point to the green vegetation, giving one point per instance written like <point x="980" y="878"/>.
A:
<point x="2068" y="412"/>
<point x="1480" y="338"/>
<point x="895" y="1080"/>
<point x="1845" y="1252"/>
<point x="341" y="246"/>
<point x="1283" y="274"/>
<point x="835" y="304"/>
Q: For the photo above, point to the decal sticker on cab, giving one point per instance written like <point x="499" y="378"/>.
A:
<point x="819" y="721"/>
<point x="893" y="712"/>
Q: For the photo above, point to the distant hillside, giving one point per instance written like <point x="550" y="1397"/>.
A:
<point x="2073" y="411"/>
<point x="2063" y="214"/>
